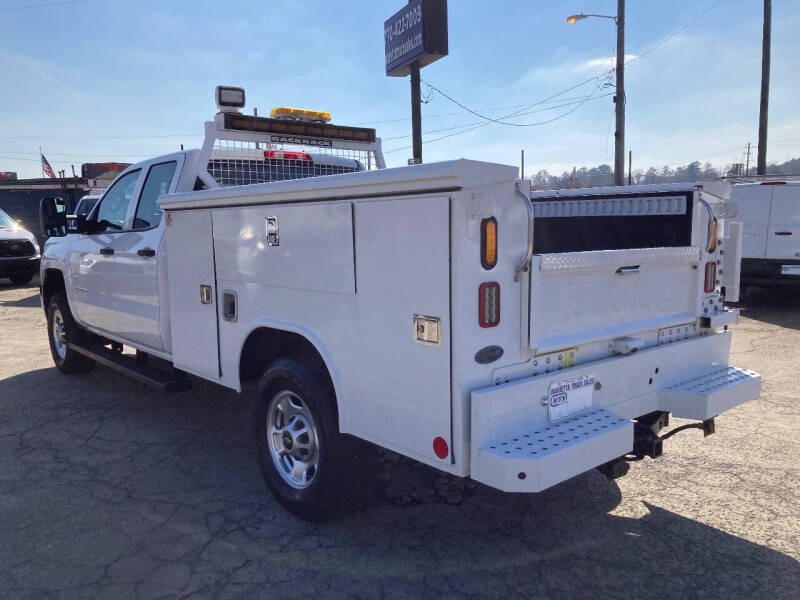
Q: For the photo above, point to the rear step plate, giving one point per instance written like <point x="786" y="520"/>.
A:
<point x="707" y="395"/>
<point x="158" y="378"/>
<point x="544" y="455"/>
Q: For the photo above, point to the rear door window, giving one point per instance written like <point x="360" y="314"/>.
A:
<point x="159" y="178"/>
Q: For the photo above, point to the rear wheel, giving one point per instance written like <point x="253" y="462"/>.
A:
<point x="63" y="330"/>
<point x="21" y="278"/>
<point x="311" y="468"/>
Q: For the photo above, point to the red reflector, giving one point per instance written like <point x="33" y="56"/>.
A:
<point x="711" y="277"/>
<point x="440" y="447"/>
<point x="489" y="304"/>
<point x="773" y="183"/>
<point x="286" y="155"/>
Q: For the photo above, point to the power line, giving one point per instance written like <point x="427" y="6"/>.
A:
<point x="460" y="113"/>
<point x="476" y="113"/>
<point x="43" y="5"/>
<point x="675" y="33"/>
<point x="555" y="107"/>
<point x="561" y="116"/>
<point x="78" y="154"/>
<point x="100" y="137"/>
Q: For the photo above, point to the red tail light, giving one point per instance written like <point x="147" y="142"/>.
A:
<point x="489" y="304"/>
<point x="711" y="277"/>
<point x="286" y="155"/>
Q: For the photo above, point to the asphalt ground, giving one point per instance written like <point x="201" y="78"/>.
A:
<point x="110" y="490"/>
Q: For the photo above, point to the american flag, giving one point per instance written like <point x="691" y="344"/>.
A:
<point x="47" y="169"/>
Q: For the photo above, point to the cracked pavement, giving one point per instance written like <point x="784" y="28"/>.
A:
<point x="111" y="490"/>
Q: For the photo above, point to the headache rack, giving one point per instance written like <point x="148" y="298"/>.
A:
<point x="242" y="150"/>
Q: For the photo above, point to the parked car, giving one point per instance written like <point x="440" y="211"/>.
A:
<point x="19" y="251"/>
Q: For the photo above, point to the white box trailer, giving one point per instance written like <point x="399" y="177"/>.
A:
<point x="442" y="311"/>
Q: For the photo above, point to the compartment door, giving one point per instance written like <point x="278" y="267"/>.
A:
<point x="753" y="209"/>
<point x="783" y="239"/>
<point x="402" y="385"/>
<point x="192" y="293"/>
<point x="583" y="297"/>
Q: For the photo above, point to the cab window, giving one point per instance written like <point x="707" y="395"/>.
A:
<point x="148" y="214"/>
<point x="114" y="205"/>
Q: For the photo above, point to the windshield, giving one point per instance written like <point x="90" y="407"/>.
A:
<point x="86" y="205"/>
<point x="6" y="222"/>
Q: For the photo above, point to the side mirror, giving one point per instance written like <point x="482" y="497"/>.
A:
<point x="77" y="223"/>
<point x="53" y="217"/>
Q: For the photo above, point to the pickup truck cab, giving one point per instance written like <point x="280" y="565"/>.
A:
<point x="442" y="311"/>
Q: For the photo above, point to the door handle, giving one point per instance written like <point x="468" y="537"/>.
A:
<point x="106" y="251"/>
<point x="783" y="233"/>
<point x="632" y="270"/>
<point x="146" y="252"/>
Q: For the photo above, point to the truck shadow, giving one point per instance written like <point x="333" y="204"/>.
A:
<point x="31" y="301"/>
<point x="96" y="456"/>
<point x="777" y="306"/>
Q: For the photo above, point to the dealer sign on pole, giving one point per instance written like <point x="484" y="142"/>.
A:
<point x="415" y="33"/>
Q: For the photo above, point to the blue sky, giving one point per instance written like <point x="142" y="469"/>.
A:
<point x="100" y="79"/>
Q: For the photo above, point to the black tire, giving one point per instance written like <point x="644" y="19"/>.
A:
<point x="21" y="278"/>
<point x="65" y="358"/>
<point x="341" y="482"/>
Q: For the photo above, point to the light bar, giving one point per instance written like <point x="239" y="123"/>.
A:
<point x="229" y="97"/>
<point x="286" y="155"/>
<point x="298" y="132"/>
<point x="300" y="114"/>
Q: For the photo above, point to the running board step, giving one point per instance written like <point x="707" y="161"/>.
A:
<point x="711" y="393"/>
<point x="160" y="379"/>
<point x="541" y="456"/>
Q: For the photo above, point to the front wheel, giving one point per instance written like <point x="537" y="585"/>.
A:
<point x="63" y="330"/>
<point x="21" y="278"/>
<point x="307" y="464"/>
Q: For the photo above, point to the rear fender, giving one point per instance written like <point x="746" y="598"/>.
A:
<point x="324" y="353"/>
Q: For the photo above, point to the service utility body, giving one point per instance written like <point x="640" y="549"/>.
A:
<point x="442" y="311"/>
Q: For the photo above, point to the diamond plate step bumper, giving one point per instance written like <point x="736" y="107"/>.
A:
<point x="711" y="393"/>
<point x="541" y="456"/>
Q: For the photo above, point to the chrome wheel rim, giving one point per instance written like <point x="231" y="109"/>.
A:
<point x="292" y="439"/>
<point x="59" y="334"/>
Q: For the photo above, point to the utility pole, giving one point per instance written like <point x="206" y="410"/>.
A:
<point x="416" y="113"/>
<point x="522" y="163"/>
<point x="747" y="161"/>
<point x="762" y="115"/>
<point x="630" y="162"/>
<point x="619" y="98"/>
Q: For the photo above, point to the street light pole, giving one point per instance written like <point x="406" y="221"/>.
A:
<point x="619" y="99"/>
<point x="619" y="96"/>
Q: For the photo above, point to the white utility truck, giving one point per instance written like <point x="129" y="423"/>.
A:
<point x="770" y="213"/>
<point x="442" y="311"/>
